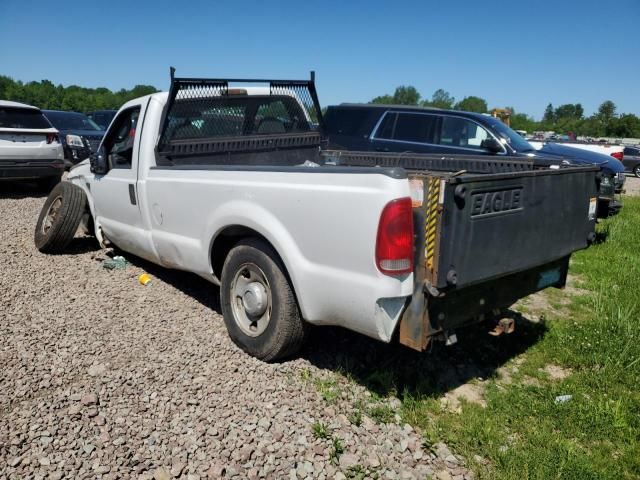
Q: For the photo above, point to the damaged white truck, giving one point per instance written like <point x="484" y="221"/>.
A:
<point x="229" y="180"/>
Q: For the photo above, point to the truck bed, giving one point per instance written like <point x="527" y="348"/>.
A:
<point x="488" y="229"/>
<point x="488" y="232"/>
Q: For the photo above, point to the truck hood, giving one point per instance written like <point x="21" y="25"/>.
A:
<point x="582" y="157"/>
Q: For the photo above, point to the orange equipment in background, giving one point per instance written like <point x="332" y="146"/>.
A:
<point x="503" y="114"/>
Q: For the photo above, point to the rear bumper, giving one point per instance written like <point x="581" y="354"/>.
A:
<point x="428" y="316"/>
<point x="13" y="169"/>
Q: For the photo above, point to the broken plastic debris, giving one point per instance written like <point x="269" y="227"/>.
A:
<point x="116" y="263"/>
<point x="144" y="279"/>
<point x="563" y="398"/>
<point x="308" y="163"/>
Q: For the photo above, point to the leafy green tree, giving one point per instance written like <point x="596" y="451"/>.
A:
<point x="472" y="104"/>
<point x="440" y="99"/>
<point x="383" y="99"/>
<point x="606" y="112"/>
<point x="522" y="121"/>
<point x="404" y="95"/>
<point x="46" y="95"/>
<point x="569" y="110"/>
<point x="626" y="125"/>
<point x="549" y="114"/>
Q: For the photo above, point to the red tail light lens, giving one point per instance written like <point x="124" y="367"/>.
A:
<point x="394" y="244"/>
<point x="618" y="155"/>
<point x="52" y="138"/>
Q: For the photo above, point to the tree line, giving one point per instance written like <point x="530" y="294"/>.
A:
<point x="606" y="122"/>
<point x="46" y="95"/>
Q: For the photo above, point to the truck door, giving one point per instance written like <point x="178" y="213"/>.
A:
<point x="116" y="201"/>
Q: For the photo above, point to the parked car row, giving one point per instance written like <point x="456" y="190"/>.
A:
<point x="39" y="144"/>
<point x="386" y="128"/>
<point x="79" y="135"/>
<point x="30" y="147"/>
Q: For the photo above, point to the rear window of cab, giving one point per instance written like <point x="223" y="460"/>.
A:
<point x="23" y="118"/>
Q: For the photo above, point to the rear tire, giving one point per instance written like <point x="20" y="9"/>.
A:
<point x="59" y="218"/>
<point x="636" y="171"/>
<point x="258" y="304"/>
<point x="47" y="184"/>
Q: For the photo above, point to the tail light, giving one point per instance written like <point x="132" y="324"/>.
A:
<point x="618" y="155"/>
<point x="394" y="243"/>
<point x="52" y="138"/>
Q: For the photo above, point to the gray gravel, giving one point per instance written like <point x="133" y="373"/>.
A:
<point x="105" y="378"/>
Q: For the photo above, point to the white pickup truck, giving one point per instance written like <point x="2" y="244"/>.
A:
<point x="230" y="183"/>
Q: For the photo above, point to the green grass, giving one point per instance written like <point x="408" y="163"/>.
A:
<point x="320" y="430"/>
<point x="336" y="450"/>
<point x="522" y="432"/>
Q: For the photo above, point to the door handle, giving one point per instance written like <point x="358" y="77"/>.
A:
<point x="132" y="194"/>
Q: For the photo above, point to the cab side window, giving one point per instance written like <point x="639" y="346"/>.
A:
<point x="120" y="138"/>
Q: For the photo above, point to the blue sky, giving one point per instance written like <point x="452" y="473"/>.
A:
<point x="513" y="53"/>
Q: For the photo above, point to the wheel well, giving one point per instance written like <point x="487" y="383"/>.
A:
<point x="226" y="240"/>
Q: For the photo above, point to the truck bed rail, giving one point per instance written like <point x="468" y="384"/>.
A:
<point x="439" y="163"/>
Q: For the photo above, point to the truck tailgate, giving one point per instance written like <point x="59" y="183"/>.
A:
<point x="480" y="227"/>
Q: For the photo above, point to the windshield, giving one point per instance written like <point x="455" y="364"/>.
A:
<point x="71" y="121"/>
<point x="512" y="138"/>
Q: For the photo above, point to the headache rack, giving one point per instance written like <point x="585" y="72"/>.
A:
<point x="209" y="116"/>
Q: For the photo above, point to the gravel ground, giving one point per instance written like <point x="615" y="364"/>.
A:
<point x="106" y="378"/>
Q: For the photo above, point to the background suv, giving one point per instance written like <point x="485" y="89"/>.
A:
<point x="102" y="117"/>
<point x="79" y="135"/>
<point x="29" y="146"/>
<point x="402" y="128"/>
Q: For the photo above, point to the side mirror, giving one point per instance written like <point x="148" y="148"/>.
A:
<point x="493" y="145"/>
<point x="98" y="161"/>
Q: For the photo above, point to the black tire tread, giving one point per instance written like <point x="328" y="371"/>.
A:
<point x="291" y="330"/>
<point x="65" y="226"/>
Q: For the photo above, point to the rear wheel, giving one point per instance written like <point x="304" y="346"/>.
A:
<point x="59" y="218"/>
<point x="259" y="307"/>
<point x="636" y="170"/>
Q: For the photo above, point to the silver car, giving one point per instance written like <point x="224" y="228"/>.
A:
<point x="29" y="145"/>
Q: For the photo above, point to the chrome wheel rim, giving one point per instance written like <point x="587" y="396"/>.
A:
<point x="251" y="300"/>
<point x="52" y="214"/>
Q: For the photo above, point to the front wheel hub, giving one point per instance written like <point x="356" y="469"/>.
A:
<point x="251" y="300"/>
<point x="254" y="299"/>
